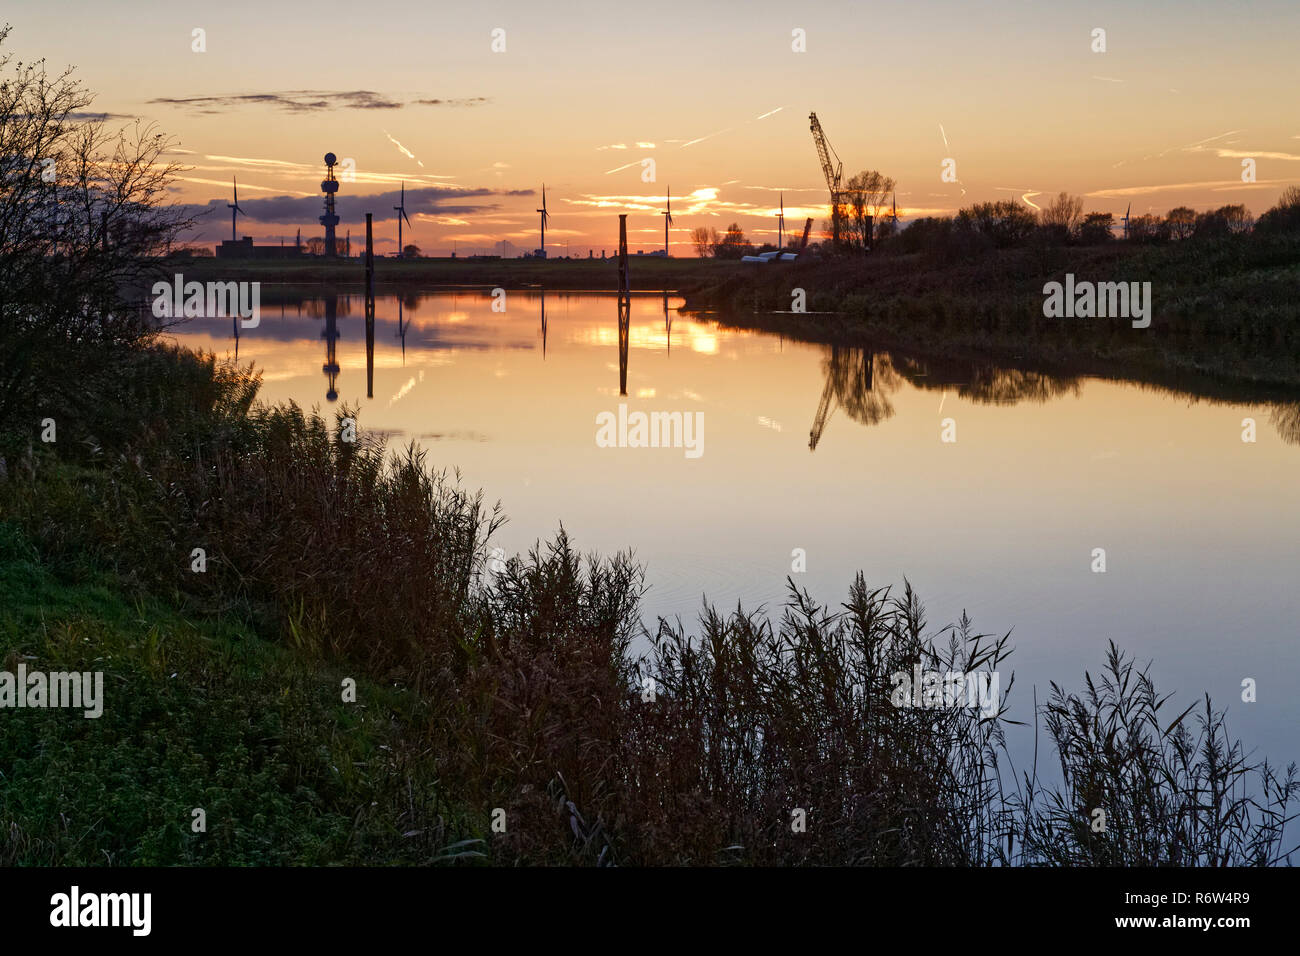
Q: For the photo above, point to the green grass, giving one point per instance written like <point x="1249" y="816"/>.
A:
<point x="197" y="714"/>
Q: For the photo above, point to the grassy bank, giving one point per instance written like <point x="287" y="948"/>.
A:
<point x="1225" y="308"/>
<point x="200" y="713"/>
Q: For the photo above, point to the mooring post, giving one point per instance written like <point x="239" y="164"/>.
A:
<point x="623" y="283"/>
<point x="370" y="306"/>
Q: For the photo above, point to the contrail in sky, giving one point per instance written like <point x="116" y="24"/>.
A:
<point x="405" y="151"/>
<point x="703" y="138"/>
<point x="700" y="139"/>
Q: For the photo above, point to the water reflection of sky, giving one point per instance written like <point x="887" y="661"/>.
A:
<point x="1201" y="530"/>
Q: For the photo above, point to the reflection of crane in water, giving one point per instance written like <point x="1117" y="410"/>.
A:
<point x="860" y="381"/>
<point x="856" y="380"/>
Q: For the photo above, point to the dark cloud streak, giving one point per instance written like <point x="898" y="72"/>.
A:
<point x="99" y="117"/>
<point x="462" y="101"/>
<point x="306" y="209"/>
<point x="305" y="101"/>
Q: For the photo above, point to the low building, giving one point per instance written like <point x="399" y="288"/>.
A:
<point x="244" y="249"/>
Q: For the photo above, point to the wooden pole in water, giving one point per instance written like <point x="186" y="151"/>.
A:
<point x="624" y="305"/>
<point x="623" y="284"/>
<point x="370" y="306"/>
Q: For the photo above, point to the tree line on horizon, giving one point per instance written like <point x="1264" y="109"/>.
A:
<point x="1007" y="223"/>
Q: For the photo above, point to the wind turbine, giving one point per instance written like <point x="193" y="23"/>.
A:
<point x="234" y="210"/>
<point x="780" y="226"/>
<point x="545" y="218"/>
<point x="668" y="218"/>
<point x="1126" y="212"/>
<point x="401" y="214"/>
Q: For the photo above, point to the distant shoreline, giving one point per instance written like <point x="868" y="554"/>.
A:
<point x="647" y="273"/>
<point x="1225" y="311"/>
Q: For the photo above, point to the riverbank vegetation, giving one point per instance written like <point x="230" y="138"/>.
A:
<point x="515" y="689"/>
<point x="306" y="637"/>
<point x="1225" y="301"/>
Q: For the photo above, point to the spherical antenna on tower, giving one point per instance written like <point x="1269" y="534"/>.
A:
<point x="329" y="186"/>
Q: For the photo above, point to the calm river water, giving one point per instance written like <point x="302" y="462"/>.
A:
<point x="1201" y="530"/>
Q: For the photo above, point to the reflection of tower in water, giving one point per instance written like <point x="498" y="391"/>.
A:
<point x="370" y="306"/>
<point x="331" y="336"/>
<point x="543" y="325"/>
<point x="624" y="332"/>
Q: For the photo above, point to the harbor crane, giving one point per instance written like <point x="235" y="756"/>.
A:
<point x="834" y="174"/>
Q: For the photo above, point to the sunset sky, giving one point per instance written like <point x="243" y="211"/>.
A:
<point x="714" y="93"/>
